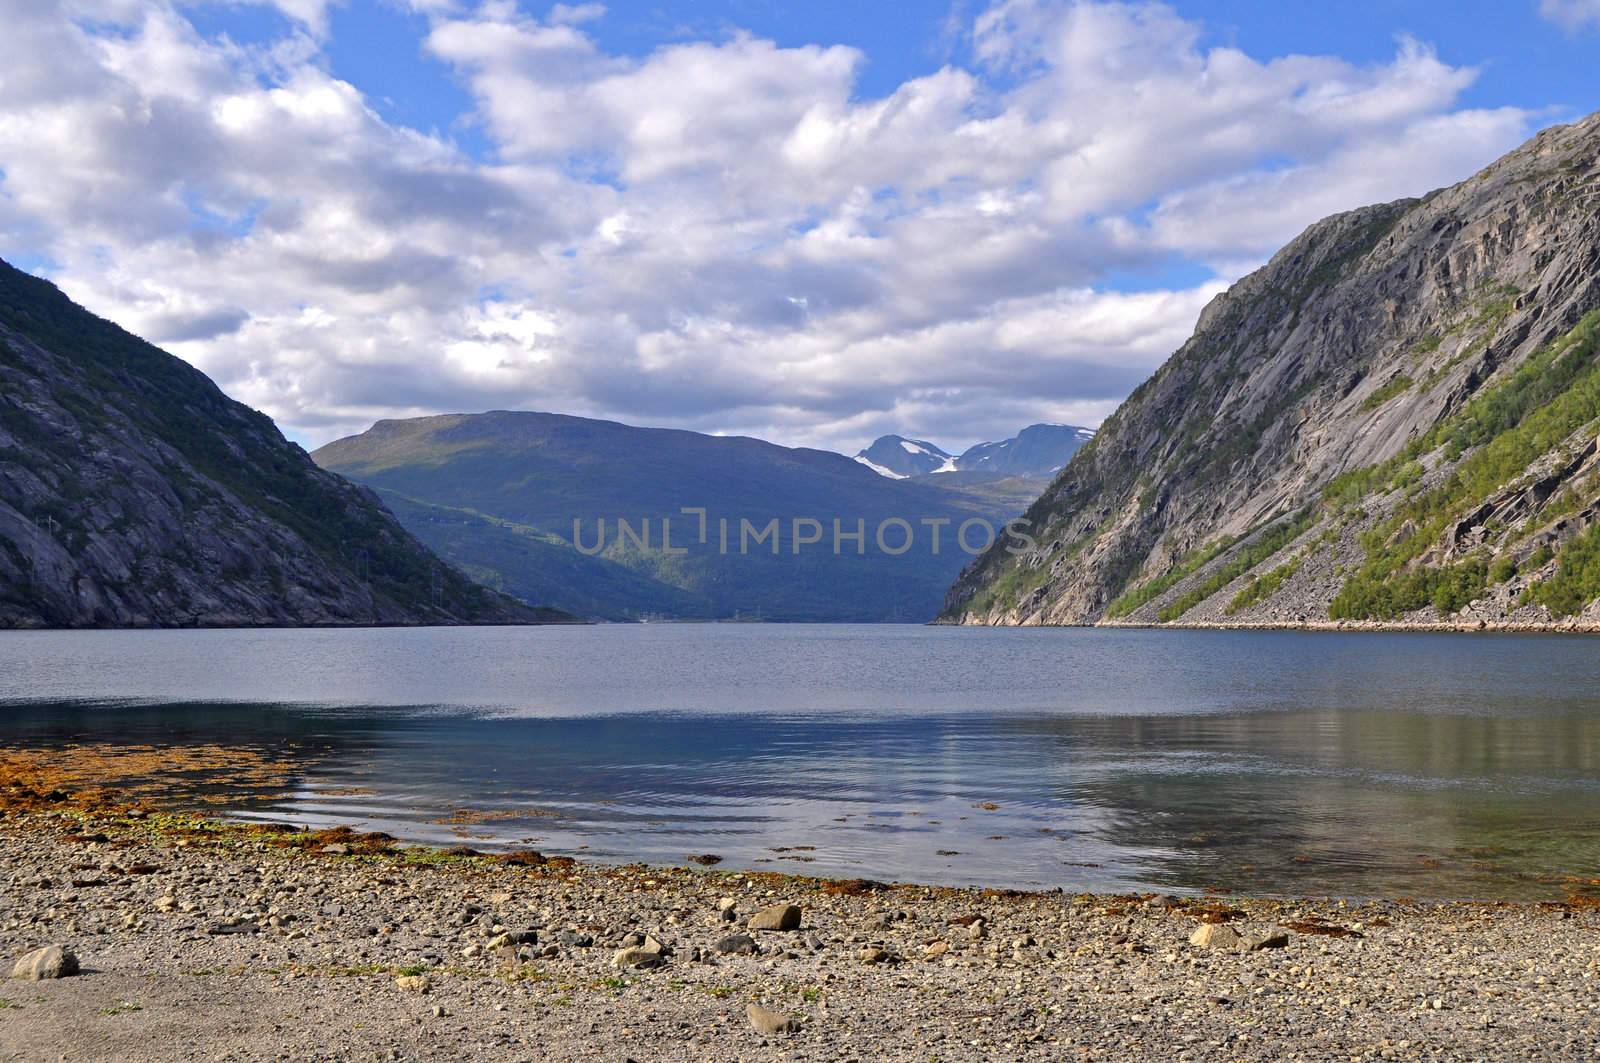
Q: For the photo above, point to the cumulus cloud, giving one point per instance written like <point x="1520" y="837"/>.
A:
<point x="721" y="234"/>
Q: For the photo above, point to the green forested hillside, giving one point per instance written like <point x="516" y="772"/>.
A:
<point x="498" y="493"/>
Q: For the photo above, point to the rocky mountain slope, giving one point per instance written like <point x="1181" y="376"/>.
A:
<point x="1394" y="421"/>
<point x="134" y="493"/>
<point x="499" y="493"/>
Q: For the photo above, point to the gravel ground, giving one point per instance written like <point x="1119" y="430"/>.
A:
<point x="200" y="941"/>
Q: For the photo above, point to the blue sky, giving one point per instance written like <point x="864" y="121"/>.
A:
<point x="1525" y="60"/>
<point x="811" y="222"/>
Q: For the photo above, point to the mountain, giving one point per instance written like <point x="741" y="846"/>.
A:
<point x="499" y="494"/>
<point x="1037" y="452"/>
<point x="1394" y="420"/>
<point x="899" y="458"/>
<point x="1040" y="450"/>
<point x="134" y="493"/>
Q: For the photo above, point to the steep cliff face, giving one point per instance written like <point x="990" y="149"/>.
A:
<point x="1394" y="420"/>
<point x="133" y="492"/>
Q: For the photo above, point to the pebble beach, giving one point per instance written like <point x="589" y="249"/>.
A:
<point x="196" y="938"/>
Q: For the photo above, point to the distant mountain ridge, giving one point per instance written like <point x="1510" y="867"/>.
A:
<point x="134" y="493"/>
<point x="1037" y="452"/>
<point x="512" y="496"/>
<point x="900" y="458"/>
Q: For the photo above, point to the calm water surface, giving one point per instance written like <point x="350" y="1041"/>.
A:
<point x="1315" y="763"/>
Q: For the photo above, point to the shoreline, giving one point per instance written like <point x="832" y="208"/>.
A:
<point x="1476" y="627"/>
<point x="352" y="626"/>
<point x="202" y="938"/>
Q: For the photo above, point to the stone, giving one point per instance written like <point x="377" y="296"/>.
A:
<point x="335" y="849"/>
<point x="769" y="1022"/>
<point x="52" y="961"/>
<point x="742" y="944"/>
<point x="513" y="938"/>
<point x="1215" y="936"/>
<point x="777" y="917"/>
<point x="873" y="954"/>
<point x="728" y="909"/>
<point x="1278" y="939"/>
<point x="233" y="926"/>
<point x="815" y="943"/>
<point x="166" y="904"/>
<point x="637" y="958"/>
<point x="575" y="940"/>
<point x="936" y="949"/>
<point x="653" y="944"/>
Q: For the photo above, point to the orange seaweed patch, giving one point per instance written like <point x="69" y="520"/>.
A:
<point x="468" y="816"/>
<point x="370" y="843"/>
<point x="1214" y="913"/>
<point x="1318" y="926"/>
<point x="103" y="776"/>
<point x="1574" y="902"/>
<point x="853" y="887"/>
<point x="525" y="858"/>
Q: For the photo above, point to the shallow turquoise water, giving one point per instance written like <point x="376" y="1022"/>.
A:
<point x="1347" y="764"/>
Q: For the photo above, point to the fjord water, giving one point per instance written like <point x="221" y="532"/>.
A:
<point x="1265" y="762"/>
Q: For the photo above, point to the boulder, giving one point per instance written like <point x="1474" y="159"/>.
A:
<point x="637" y="958"/>
<point x="742" y="944"/>
<point x="1215" y="936"/>
<point x="1277" y="939"/>
<point x="52" y="961"/>
<point x="777" y="917"/>
<point x="769" y="1022"/>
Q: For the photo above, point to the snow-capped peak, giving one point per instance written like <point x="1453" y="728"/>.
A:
<point x="879" y="469"/>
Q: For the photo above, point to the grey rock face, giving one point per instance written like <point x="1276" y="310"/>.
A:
<point x="1357" y="339"/>
<point x="134" y="493"/>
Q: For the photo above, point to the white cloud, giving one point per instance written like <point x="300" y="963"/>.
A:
<point x="721" y="234"/>
<point x="1572" y="15"/>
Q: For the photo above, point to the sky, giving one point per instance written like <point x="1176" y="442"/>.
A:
<point x="812" y="222"/>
